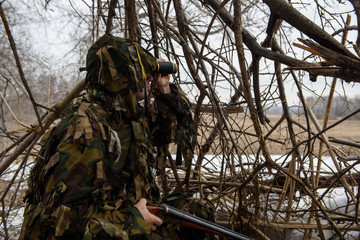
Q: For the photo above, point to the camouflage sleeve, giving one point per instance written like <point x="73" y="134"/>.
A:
<point x="116" y="225"/>
<point x="174" y="123"/>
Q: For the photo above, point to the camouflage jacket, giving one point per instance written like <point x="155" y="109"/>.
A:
<point x="96" y="164"/>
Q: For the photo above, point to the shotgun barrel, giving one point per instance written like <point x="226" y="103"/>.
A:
<point x="192" y="221"/>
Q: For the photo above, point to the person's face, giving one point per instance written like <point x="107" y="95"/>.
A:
<point x="140" y="93"/>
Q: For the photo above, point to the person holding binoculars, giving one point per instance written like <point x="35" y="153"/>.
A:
<point x="96" y="168"/>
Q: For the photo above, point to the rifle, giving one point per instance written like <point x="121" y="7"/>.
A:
<point x="192" y="221"/>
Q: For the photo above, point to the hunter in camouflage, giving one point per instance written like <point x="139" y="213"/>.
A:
<point x="99" y="161"/>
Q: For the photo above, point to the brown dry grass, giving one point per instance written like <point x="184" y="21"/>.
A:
<point x="349" y="130"/>
<point x="278" y="142"/>
<point x="243" y="131"/>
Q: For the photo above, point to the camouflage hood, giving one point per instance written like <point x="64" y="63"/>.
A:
<point x="120" y="66"/>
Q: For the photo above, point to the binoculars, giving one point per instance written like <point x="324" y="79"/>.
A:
<point x="166" y="68"/>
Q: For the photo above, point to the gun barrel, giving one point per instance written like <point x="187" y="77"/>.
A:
<point x="202" y="224"/>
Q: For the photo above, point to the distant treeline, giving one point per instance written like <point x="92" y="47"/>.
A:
<point x="340" y="107"/>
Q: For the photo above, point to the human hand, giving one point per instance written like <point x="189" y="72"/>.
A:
<point x="152" y="220"/>
<point x="162" y="83"/>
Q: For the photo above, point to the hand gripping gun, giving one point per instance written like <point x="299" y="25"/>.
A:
<point x="187" y="220"/>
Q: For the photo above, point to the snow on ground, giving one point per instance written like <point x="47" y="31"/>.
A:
<point x="336" y="199"/>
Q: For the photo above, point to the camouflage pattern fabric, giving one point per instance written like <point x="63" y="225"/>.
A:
<point x="119" y="65"/>
<point x="100" y="159"/>
<point x="183" y="133"/>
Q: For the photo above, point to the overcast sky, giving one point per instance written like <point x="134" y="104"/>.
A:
<point x="50" y="37"/>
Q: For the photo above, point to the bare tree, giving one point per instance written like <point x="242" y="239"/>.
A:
<point x="268" y="176"/>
